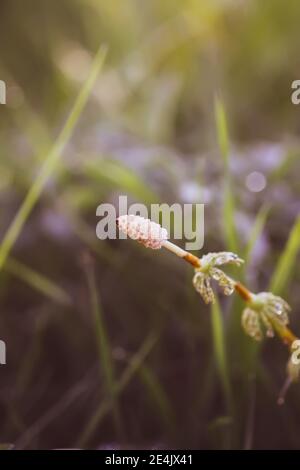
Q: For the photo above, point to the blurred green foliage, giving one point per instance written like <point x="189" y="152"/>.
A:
<point x="80" y="348"/>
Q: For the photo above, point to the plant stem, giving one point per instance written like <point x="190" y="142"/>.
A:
<point x="192" y="259"/>
<point x="242" y="291"/>
<point x="286" y="335"/>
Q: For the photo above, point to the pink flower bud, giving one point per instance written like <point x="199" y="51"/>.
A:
<point x="150" y="234"/>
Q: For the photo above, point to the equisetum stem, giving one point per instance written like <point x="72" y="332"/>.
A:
<point x="152" y="235"/>
<point x="243" y="291"/>
<point x="286" y="335"/>
<point x="192" y="259"/>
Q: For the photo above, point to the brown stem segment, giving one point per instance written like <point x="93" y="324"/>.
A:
<point x="243" y="291"/>
<point x="285" y="334"/>
<point x="193" y="260"/>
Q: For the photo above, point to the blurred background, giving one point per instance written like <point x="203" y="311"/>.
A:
<point x="108" y="344"/>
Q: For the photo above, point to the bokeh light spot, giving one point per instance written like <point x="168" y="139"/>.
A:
<point x="256" y="182"/>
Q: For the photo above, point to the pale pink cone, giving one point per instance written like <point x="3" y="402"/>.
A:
<point x="149" y="233"/>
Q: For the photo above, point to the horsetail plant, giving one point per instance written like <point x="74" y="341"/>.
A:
<point x="264" y="313"/>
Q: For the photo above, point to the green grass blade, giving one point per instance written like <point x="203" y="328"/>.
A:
<point x="220" y="432"/>
<point x="37" y="281"/>
<point x="222" y="131"/>
<point x="157" y="394"/>
<point x="228" y="205"/>
<point x="51" y="161"/>
<point x="256" y="231"/>
<point x="281" y="171"/>
<point x="286" y="261"/>
<point x="105" y="357"/>
<point x="130" y="371"/>
<point x="228" y="218"/>
<point x="116" y="174"/>
<point x="220" y="350"/>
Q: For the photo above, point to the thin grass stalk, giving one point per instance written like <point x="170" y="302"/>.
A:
<point x="103" y="345"/>
<point x="37" y="281"/>
<point x="51" y="160"/>
<point x="131" y="370"/>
